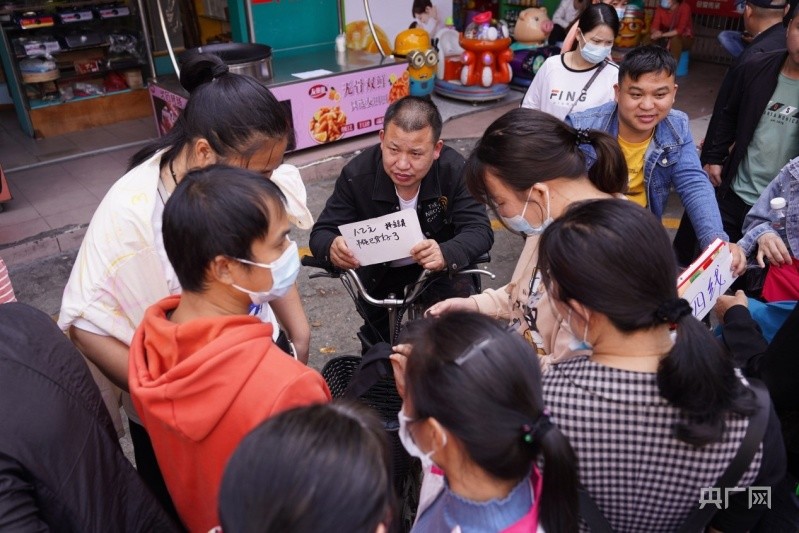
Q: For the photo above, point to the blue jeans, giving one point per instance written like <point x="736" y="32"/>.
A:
<point x="731" y="41"/>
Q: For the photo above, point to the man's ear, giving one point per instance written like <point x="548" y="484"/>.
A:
<point x="437" y="149"/>
<point x="220" y="269"/>
<point x="381" y="134"/>
<point x="616" y="91"/>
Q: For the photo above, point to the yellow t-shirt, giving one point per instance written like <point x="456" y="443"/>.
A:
<point x="634" y="155"/>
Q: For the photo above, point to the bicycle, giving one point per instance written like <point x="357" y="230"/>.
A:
<point x="380" y="393"/>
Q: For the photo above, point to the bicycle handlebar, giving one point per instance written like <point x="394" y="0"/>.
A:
<point x="350" y="278"/>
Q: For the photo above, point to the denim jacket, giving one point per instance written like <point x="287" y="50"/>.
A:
<point x="758" y="221"/>
<point x="670" y="161"/>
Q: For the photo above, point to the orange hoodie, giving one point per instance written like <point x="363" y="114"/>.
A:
<point x="200" y="387"/>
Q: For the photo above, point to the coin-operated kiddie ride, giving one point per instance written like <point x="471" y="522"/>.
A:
<point x="481" y="72"/>
<point x="530" y="49"/>
<point x="414" y="45"/>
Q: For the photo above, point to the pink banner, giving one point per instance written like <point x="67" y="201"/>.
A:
<point x="328" y="109"/>
<point x="323" y="110"/>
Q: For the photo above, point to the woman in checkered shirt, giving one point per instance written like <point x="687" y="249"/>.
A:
<point x="652" y="420"/>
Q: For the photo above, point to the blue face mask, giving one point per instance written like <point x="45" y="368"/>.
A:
<point x="620" y="12"/>
<point x="594" y="53"/>
<point x="665" y="4"/>
<point x="576" y="344"/>
<point x="520" y="224"/>
<point x="284" y="273"/>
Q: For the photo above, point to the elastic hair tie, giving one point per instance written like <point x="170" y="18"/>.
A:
<point x="671" y="311"/>
<point x="582" y="136"/>
<point x="532" y="433"/>
<point x="219" y="70"/>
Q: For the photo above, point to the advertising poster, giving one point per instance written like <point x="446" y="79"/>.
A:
<point x="324" y="109"/>
<point x="391" y="17"/>
<point x="327" y="109"/>
<point x="167" y="106"/>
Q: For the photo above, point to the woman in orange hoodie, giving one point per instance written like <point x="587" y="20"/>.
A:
<point x="203" y="373"/>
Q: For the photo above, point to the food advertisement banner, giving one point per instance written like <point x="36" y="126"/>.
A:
<point x="323" y="109"/>
<point x="327" y="109"/>
<point x="391" y="17"/>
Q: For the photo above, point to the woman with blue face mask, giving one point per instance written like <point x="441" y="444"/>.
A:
<point x="473" y="413"/>
<point x="672" y="26"/>
<point x="203" y="371"/>
<point x="581" y="78"/>
<point x="528" y="169"/>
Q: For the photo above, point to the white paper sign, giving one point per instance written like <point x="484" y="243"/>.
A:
<point x="312" y="73"/>
<point x="711" y="280"/>
<point x="383" y="239"/>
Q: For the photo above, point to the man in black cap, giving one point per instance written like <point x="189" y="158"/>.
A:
<point x="763" y="30"/>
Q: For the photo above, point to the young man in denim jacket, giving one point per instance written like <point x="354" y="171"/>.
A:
<point x="656" y="142"/>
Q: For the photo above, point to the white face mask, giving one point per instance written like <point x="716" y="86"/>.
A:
<point x="407" y="442"/>
<point x="620" y="12"/>
<point x="520" y="224"/>
<point x="284" y="273"/>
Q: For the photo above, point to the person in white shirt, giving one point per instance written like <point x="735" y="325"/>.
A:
<point x="582" y="78"/>
<point x="122" y="267"/>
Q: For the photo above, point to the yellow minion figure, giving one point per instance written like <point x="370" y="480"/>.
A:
<point x="414" y="45"/>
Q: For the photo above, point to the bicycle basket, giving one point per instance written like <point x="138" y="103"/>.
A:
<point x="382" y="397"/>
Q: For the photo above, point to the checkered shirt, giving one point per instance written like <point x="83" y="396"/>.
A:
<point x="639" y="474"/>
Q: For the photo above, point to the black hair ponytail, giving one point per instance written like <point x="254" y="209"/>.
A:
<point x="698" y="377"/>
<point x="482" y="382"/>
<point x="230" y="111"/>
<point x="559" y="503"/>
<point x="631" y="279"/>
<point x="609" y="173"/>
<point x="527" y="146"/>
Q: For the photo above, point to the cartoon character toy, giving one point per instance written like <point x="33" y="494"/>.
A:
<point x="487" y="54"/>
<point x="414" y="45"/>
<point x="532" y="28"/>
<point x="631" y="27"/>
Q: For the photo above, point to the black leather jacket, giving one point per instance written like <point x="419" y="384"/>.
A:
<point x="61" y="467"/>
<point x="446" y="210"/>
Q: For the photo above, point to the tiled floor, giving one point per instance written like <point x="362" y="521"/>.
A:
<point x="55" y="198"/>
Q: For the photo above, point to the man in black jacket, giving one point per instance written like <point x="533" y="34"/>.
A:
<point x="61" y="467"/>
<point x="410" y="168"/>
<point x="754" y="132"/>
<point x="763" y="22"/>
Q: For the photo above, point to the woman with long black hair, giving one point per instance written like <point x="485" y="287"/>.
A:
<point x="655" y="418"/>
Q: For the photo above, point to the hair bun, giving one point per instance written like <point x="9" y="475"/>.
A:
<point x="199" y="69"/>
<point x="219" y="70"/>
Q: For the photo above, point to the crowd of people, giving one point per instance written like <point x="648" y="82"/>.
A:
<point x="583" y="395"/>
